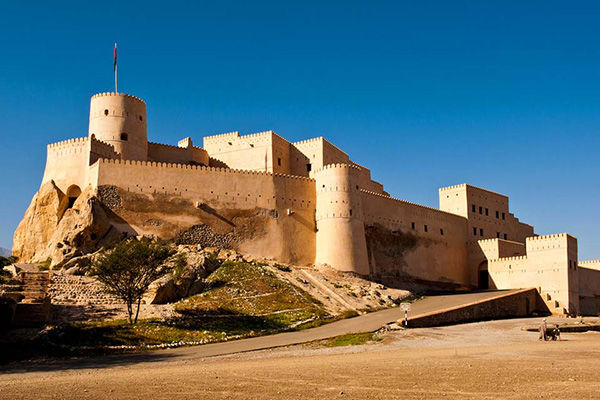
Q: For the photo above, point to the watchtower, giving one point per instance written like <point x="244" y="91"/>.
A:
<point x="120" y="120"/>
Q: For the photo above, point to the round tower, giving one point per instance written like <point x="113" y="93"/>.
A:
<point x="120" y="120"/>
<point x="340" y="227"/>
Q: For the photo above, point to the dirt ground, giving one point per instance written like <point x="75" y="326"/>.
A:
<point x="481" y="360"/>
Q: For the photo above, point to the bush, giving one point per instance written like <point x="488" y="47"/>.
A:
<point x="129" y="268"/>
<point x="4" y="261"/>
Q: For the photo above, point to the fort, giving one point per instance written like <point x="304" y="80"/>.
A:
<point x="304" y="203"/>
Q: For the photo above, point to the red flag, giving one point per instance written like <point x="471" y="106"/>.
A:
<point x="115" y="57"/>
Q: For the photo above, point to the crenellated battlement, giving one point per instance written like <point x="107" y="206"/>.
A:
<point x="158" y="164"/>
<point x="546" y="237"/>
<point x="334" y="166"/>
<point x="513" y="258"/>
<point x="462" y="185"/>
<point x="306" y="141"/>
<point x="409" y="202"/>
<point x="222" y="135"/>
<point x="113" y="94"/>
<point x="68" y="143"/>
<point x="168" y="146"/>
<point x="589" y="262"/>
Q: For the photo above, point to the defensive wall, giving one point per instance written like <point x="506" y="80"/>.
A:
<point x="199" y="190"/>
<point x="589" y="287"/>
<point x="184" y="153"/>
<point x="550" y="264"/>
<point x="411" y="240"/>
<point x="487" y="215"/>
<point x="67" y="160"/>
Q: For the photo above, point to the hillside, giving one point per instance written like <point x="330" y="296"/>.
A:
<point x="5" y="252"/>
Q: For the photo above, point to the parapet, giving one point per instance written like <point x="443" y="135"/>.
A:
<point x="410" y="203"/>
<point x="166" y="165"/>
<point x="68" y="142"/>
<point x="546" y="237"/>
<point x="467" y="186"/>
<point x="336" y="166"/>
<point x="113" y="94"/>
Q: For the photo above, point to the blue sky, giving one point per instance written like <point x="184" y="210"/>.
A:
<point x="502" y="95"/>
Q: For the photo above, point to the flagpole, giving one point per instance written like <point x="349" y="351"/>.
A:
<point x="116" y="91"/>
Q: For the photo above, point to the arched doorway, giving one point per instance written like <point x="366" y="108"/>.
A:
<point x="73" y="193"/>
<point x="484" y="277"/>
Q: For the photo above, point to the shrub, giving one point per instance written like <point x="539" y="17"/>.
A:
<point x="129" y="268"/>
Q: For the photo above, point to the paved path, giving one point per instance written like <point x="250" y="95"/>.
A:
<point x="364" y="323"/>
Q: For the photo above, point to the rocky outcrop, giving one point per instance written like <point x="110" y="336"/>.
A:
<point x="52" y="229"/>
<point x="191" y="265"/>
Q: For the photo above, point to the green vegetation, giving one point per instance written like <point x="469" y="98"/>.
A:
<point x="4" y="261"/>
<point x="239" y="300"/>
<point x="44" y="265"/>
<point x="351" y="339"/>
<point x="238" y="290"/>
<point x="129" y="268"/>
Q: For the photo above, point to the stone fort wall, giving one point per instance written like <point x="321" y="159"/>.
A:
<point x="550" y="264"/>
<point x="289" y="236"/>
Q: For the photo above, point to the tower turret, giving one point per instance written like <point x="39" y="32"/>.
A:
<point x="120" y="120"/>
<point x="341" y="239"/>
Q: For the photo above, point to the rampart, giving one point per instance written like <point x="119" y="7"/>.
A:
<point x="550" y="265"/>
<point x="200" y="191"/>
<point x="589" y="284"/>
<point x="412" y="240"/>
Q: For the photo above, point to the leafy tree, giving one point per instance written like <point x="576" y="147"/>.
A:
<point x="129" y="268"/>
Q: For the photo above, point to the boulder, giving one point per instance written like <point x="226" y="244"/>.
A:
<point x="12" y="269"/>
<point x="182" y="281"/>
<point x="52" y="229"/>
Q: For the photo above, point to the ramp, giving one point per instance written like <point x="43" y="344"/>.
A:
<point x="470" y="307"/>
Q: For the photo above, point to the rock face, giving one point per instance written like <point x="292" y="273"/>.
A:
<point x="184" y="281"/>
<point x="53" y="229"/>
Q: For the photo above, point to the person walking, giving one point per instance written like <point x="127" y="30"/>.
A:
<point x="543" y="328"/>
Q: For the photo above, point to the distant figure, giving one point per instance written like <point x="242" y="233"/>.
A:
<point x="556" y="333"/>
<point x="543" y="328"/>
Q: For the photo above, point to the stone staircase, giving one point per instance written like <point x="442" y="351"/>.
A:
<point x="555" y="306"/>
<point x="79" y="290"/>
<point x="34" y="308"/>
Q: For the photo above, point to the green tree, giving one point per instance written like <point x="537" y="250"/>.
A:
<point x="129" y="268"/>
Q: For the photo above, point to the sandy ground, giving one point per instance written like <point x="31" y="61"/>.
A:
<point x="481" y="360"/>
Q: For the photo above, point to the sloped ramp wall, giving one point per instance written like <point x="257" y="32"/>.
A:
<point x="520" y="303"/>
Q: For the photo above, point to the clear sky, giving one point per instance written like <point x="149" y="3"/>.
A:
<point x="504" y="95"/>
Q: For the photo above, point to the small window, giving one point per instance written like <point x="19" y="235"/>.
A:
<point x="498" y="235"/>
<point x="141" y="119"/>
<point x="425" y="228"/>
<point x="497" y="214"/>
<point x="474" y="231"/>
<point x="503" y="216"/>
<point x="350" y="212"/>
<point x="487" y="212"/>
<point x="480" y="232"/>
<point x="279" y="161"/>
<point x="412" y="225"/>
<point x="473" y="208"/>
<point x="480" y="210"/>
<point x="441" y="232"/>
<point x="123" y="136"/>
<point x="308" y="167"/>
<point x="105" y="112"/>
<point x="505" y="236"/>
